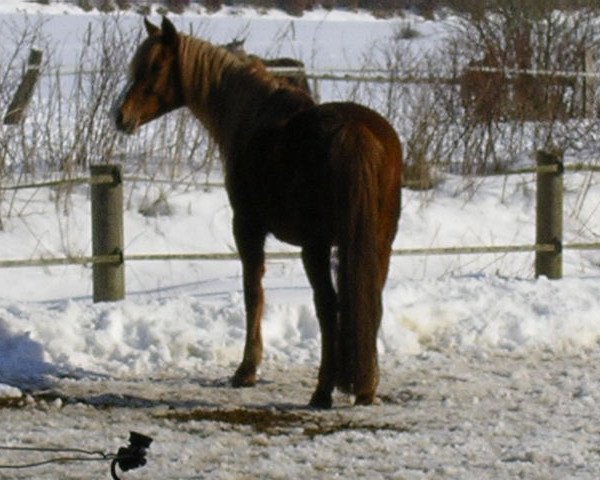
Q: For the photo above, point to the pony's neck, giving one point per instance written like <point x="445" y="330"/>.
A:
<point x="222" y="91"/>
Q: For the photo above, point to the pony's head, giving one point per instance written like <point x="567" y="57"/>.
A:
<point x="154" y="85"/>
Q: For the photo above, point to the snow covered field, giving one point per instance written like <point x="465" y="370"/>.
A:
<point x="486" y="372"/>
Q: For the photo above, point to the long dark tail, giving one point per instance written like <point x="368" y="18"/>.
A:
<point x="359" y="275"/>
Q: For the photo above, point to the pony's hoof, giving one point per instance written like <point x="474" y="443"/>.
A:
<point x="368" y="399"/>
<point x="244" y="377"/>
<point x="321" y="401"/>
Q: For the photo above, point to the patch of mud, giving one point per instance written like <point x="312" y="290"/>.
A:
<point x="277" y="422"/>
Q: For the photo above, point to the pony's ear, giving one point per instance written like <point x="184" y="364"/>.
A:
<point x="169" y="32"/>
<point x="151" y="28"/>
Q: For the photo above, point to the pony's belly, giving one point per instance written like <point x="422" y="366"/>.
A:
<point x="302" y="231"/>
<point x="286" y="233"/>
<point x="289" y="239"/>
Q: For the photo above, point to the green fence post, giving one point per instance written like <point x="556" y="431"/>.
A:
<point x="549" y="214"/>
<point x="107" y="232"/>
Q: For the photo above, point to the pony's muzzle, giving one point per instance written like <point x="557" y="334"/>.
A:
<point x="120" y="122"/>
<point x="117" y="116"/>
<point x="121" y="125"/>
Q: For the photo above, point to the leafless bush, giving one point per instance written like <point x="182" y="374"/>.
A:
<point x="68" y="124"/>
<point x="509" y="113"/>
<point x="70" y="117"/>
<point x="416" y="101"/>
<point x="71" y="114"/>
<point x="20" y="38"/>
<point x="447" y="126"/>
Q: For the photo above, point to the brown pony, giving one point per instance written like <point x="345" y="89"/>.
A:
<point x="314" y="176"/>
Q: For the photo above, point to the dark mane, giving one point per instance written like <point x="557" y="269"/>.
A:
<point x="212" y="78"/>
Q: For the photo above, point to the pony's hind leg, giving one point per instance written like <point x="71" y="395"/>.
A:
<point x="250" y="244"/>
<point x="367" y="382"/>
<point x="317" y="265"/>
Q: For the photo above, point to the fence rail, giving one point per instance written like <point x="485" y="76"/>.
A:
<point x="108" y="256"/>
<point x="231" y="256"/>
<point x="578" y="167"/>
<point x="17" y="110"/>
<point x="57" y="261"/>
<point x="363" y="74"/>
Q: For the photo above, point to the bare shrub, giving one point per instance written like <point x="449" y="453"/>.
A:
<point x="176" y="6"/>
<point x="295" y="7"/>
<point x="508" y="113"/>
<point x="106" y="5"/>
<point x="414" y="100"/>
<point x="14" y="52"/>
<point x="406" y="31"/>
<point x="212" y="5"/>
<point x="77" y="126"/>
<point x="124" y="4"/>
<point x="85" y="5"/>
<point x="487" y="121"/>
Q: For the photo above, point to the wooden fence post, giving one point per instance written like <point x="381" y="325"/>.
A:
<point x="107" y="232"/>
<point x="16" y="110"/>
<point x="549" y="214"/>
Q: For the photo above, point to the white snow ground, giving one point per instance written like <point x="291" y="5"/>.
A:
<point x="486" y="372"/>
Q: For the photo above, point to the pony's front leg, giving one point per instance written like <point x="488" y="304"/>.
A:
<point x="250" y="244"/>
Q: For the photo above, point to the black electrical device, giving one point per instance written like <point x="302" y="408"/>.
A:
<point x="133" y="456"/>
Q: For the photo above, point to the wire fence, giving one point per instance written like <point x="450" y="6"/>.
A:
<point x="109" y="259"/>
<point x="577" y="167"/>
<point x="365" y="74"/>
<point x="232" y="256"/>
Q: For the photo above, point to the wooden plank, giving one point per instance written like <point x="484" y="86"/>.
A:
<point x="18" y="107"/>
